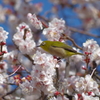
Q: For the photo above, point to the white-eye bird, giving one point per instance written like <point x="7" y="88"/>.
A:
<point x="58" y="49"/>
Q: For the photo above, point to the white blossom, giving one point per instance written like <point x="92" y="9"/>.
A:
<point x="86" y="84"/>
<point x="86" y="97"/>
<point x="3" y="35"/>
<point x="34" y="21"/>
<point x="95" y="55"/>
<point x="44" y="70"/>
<point x="18" y="38"/>
<point x="2" y="79"/>
<point x="55" y="29"/>
<point x="26" y="87"/>
<point x="90" y="46"/>
<point x="23" y="39"/>
<point x="69" y="84"/>
<point x="13" y="57"/>
<point x="27" y="47"/>
<point x="24" y="8"/>
<point x="22" y="26"/>
<point x="59" y="24"/>
<point x="82" y="85"/>
<point x="52" y="33"/>
<point x="23" y="33"/>
<point x="40" y="58"/>
<point x="3" y="66"/>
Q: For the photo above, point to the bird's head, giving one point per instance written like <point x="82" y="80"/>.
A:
<point x="45" y="45"/>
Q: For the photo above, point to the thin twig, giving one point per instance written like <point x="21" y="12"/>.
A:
<point x="83" y="32"/>
<point x="57" y="77"/>
<point x="67" y="68"/>
<point x="9" y="83"/>
<point x="27" y="56"/>
<point x="67" y="37"/>
<point x="27" y="70"/>
<point x="72" y="28"/>
<point x="97" y="76"/>
<point x="10" y="92"/>
<point x="14" y="71"/>
<point x="93" y="71"/>
<point x="74" y="43"/>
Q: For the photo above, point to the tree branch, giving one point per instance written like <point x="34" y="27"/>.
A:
<point x="82" y="32"/>
<point x="64" y="36"/>
<point x="71" y="28"/>
<point x="9" y="93"/>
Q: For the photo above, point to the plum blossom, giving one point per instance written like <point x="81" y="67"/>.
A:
<point x="90" y="46"/>
<point x="2" y="78"/>
<point x="42" y="81"/>
<point x="44" y="70"/>
<point x="87" y="84"/>
<point x="26" y="87"/>
<point x="58" y="23"/>
<point x="69" y="84"/>
<point x="92" y="50"/>
<point x="23" y="33"/>
<point x="82" y="85"/>
<point x="27" y="47"/>
<point x="44" y="59"/>
<point x="24" y="8"/>
<point x="3" y="35"/>
<point x="52" y="34"/>
<point x="45" y="62"/>
<point x="46" y="74"/>
<point x="95" y="55"/>
<point x="39" y="58"/>
<point x="22" y="27"/>
<point x="84" y="97"/>
<point x="3" y="66"/>
<point x="55" y="29"/>
<point x="77" y="64"/>
<point x="34" y="21"/>
<point x="23" y="39"/>
<point x="13" y="57"/>
<point x="18" y="38"/>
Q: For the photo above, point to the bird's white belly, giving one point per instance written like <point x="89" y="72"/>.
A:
<point x="58" y="52"/>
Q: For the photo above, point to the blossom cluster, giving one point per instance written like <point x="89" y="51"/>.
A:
<point x="81" y="85"/>
<point x="23" y="39"/>
<point x="42" y="79"/>
<point x="39" y="74"/>
<point x="55" y="29"/>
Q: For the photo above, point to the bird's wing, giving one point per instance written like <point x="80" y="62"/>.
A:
<point x="64" y="46"/>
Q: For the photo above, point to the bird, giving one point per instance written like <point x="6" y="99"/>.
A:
<point x="59" y="49"/>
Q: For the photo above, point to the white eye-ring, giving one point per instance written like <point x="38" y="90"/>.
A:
<point x="43" y="43"/>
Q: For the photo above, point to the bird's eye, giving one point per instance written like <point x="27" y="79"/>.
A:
<point x="43" y="43"/>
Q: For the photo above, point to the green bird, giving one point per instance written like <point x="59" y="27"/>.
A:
<point x="58" y="49"/>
